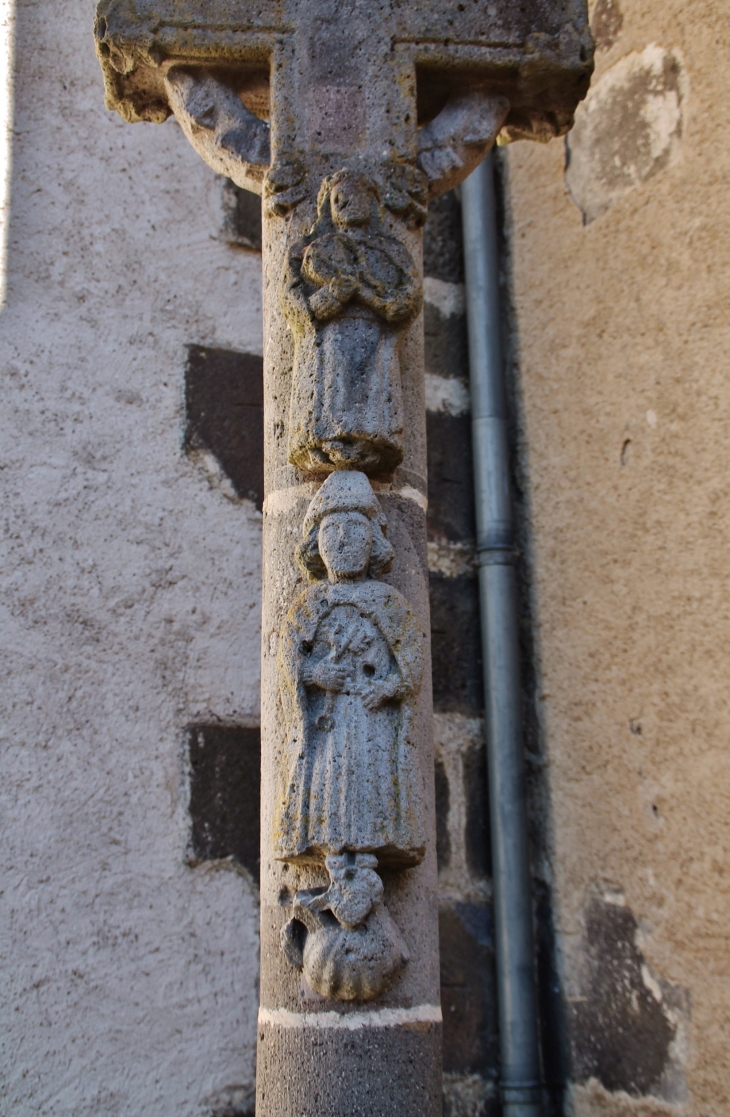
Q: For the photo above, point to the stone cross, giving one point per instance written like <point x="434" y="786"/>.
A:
<point x="347" y="115"/>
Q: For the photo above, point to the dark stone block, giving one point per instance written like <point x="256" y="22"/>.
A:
<point x="443" y="841"/>
<point x="450" y="480"/>
<point x="552" y="1006"/>
<point x="225" y="777"/>
<point x="456" y="645"/>
<point x="476" y="832"/>
<point x="224" y="404"/>
<point x="443" y="254"/>
<point x="621" y="1033"/>
<point x="489" y="1106"/>
<point x="446" y="343"/>
<point x="241" y="216"/>
<point x="468" y="994"/>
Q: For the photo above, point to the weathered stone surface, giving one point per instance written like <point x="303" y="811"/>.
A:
<point x="457" y="643"/>
<point x="476" y="830"/>
<point x="443" y="838"/>
<point x="443" y="255"/>
<point x="470" y="1095"/>
<point x="627" y="131"/>
<point x="350" y="660"/>
<point x="606" y="23"/>
<point x="446" y="347"/>
<point x="131" y="603"/>
<point x="410" y="1088"/>
<point x="540" y="54"/>
<point x="241" y="216"/>
<point x="451" y="499"/>
<point x="348" y="292"/>
<point x="468" y="987"/>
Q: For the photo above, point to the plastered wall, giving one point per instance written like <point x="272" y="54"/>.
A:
<point x="619" y="342"/>
<point x="130" y="609"/>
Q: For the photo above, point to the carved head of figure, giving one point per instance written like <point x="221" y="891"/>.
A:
<point x="344" y="531"/>
<point x="352" y="197"/>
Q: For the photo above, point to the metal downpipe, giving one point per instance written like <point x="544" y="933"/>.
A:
<point x="518" y="1031"/>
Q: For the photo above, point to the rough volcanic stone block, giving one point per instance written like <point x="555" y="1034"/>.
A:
<point x="476" y="830"/>
<point x="450" y="482"/>
<point x="623" y="1026"/>
<point x="241" y="216"/>
<point x="224" y="406"/>
<point x="468" y="994"/>
<point x="447" y="351"/>
<point x="443" y="254"/>
<point x="225" y="779"/>
<point x="443" y="841"/>
<point x="456" y="644"/>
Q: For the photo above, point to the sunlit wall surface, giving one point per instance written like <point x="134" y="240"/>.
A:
<point x="7" y="39"/>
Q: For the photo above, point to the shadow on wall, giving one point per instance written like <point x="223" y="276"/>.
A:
<point x="554" y="1035"/>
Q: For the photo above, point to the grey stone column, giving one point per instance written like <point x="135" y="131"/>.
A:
<point x="318" y="1055"/>
<point x="314" y="103"/>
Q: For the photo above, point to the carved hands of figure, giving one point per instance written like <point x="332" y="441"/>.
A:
<point x="349" y="256"/>
<point x="350" y="663"/>
<point x="231" y="139"/>
<point x="454" y="142"/>
<point x="285" y="186"/>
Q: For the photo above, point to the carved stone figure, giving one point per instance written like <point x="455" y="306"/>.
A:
<point x="349" y="290"/>
<point x="350" y="664"/>
<point x="343" y="939"/>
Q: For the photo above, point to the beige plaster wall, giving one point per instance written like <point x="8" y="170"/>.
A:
<point x="623" y="334"/>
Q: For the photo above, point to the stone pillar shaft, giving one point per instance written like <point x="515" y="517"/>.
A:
<point x="387" y="1053"/>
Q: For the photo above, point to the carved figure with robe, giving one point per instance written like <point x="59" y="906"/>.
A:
<point x="349" y="291"/>
<point x="350" y="663"/>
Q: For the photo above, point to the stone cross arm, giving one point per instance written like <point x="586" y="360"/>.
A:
<point x="432" y="81"/>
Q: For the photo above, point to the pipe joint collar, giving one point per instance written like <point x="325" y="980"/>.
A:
<point x="491" y="554"/>
<point x="521" y="1093"/>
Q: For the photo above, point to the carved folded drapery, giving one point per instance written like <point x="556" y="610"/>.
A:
<point x="349" y="290"/>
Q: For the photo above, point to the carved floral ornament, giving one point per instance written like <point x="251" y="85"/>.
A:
<point x="350" y="666"/>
